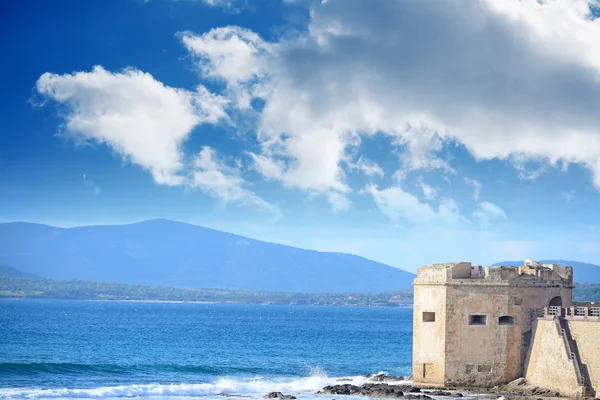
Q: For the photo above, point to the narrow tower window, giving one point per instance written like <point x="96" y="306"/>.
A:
<point x="506" y="320"/>
<point x="428" y="317"/>
<point x="477" y="319"/>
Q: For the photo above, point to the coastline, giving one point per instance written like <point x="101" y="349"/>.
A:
<point x="385" y="386"/>
<point x="203" y="302"/>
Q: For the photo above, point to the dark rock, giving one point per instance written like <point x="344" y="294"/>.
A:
<point x="440" y="393"/>
<point x="368" y="389"/>
<point x="279" y="395"/>
<point x="381" y="377"/>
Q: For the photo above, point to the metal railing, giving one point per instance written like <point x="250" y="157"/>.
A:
<point x="554" y="310"/>
<point x="585" y="313"/>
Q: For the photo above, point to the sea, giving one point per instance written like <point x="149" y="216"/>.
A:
<point x="51" y="349"/>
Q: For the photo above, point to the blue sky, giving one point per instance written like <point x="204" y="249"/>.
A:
<point x="405" y="132"/>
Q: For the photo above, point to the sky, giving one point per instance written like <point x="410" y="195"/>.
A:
<point x="407" y="132"/>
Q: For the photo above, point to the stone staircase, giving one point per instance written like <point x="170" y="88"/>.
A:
<point x="581" y="369"/>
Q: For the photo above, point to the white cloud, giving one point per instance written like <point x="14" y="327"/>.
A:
<point x="217" y="3"/>
<point x="146" y="123"/>
<point x="399" y="205"/>
<point x="235" y="55"/>
<point x="338" y="202"/>
<point x="367" y="167"/>
<point x="233" y="6"/>
<point x="267" y="167"/>
<point x="529" y="168"/>
<point x="224" y="182"/>
<point x="140" y="118"/>
<point x="421" y="146"/>
<point x="428" y="192"/>
<point x="507" y="79"/>
<point x="501" y="78"/>
<point x="487" y="212"/>
<point x="476" y="187"/>
<point x="90" y="184"/>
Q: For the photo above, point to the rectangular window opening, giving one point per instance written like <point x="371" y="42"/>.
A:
<point x="484" y="368"/>
<point x="506" y="320"/>
<point x="427" y="370"/>
<point x="518" y="302"/>
<point x="428" y="316"/>
<point x="477" y="319"/>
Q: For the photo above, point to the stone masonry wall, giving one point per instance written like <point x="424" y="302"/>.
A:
<point x="429" y="336"/>
<point x="587" y="336"/>
<point x="487" y="354"/>
<point x="548" y="365"/>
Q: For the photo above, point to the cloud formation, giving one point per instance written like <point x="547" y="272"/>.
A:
<point x="90" y="184"/>
<point x="224" y="182"/>
<point x="140" y="118"/>
<point x="502" y="78"/>
<point x="476" y="187"/>
<point x="428" y="192"/>
<point x="487" y="212"/>
<point x="146" y="122"/>
<point x="401" y="206"/>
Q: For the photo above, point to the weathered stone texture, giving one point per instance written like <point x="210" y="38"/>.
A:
<point x="587" y="336"/>
<point x="548" y="365"/>
<point x="468" y="344"/>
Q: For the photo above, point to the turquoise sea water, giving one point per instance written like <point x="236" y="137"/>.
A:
<point x="70" y="349"/>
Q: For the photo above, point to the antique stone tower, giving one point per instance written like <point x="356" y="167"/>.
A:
<point x="473" y="327"/>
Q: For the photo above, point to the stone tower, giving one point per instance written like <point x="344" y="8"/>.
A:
<point x="472" y="327"/>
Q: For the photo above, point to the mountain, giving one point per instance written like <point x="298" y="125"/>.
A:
<point x="167" y="253"/>
<point x="582" y="272"/>
<point x="10" y="272"/>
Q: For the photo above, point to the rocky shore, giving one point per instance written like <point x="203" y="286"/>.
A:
<point x="385" y="390"/>
<point x="394" y="387"/>
<point x="386" y="386"/>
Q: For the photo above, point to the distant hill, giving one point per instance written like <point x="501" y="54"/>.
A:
<point x="18" y="284"/>
<point x="582" y="272"/>
<point x="22" y="285"/>
<point x="10" y="272"/>
<point x="167" y="253"/>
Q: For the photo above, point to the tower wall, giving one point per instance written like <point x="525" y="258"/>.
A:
<point x="429" y="336"/>
<point x="483" y="321"/>
<point x="549" y="365"/>
<point x="482" y="354"/>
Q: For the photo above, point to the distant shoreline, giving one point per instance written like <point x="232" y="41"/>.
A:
<point x="200" y="302"/>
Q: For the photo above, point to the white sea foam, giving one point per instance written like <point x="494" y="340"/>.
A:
<point x="255" y="388"/>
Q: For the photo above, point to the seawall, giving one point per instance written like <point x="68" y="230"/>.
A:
<point x="548" y="364"/>
<point x="565" y="356"/>
<point x="587" y="336"/>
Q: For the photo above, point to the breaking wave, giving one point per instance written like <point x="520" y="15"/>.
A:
<point x="250" y="387"/>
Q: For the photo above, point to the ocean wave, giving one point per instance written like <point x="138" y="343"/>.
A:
<point x="104" y="369"/>
<point x="256" y="387"/>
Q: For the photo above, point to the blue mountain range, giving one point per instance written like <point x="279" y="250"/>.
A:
<point x="167" y="253"/>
